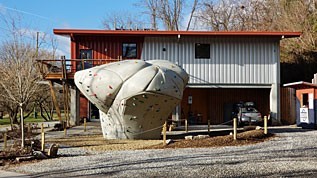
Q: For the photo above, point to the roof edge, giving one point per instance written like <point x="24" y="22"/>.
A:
<point x="70" y="32"/>
<point x="297" y="85"/>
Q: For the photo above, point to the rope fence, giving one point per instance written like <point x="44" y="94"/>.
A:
<point x="6" y="136"/>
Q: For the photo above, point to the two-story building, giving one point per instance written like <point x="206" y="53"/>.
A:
<point x="224" y="67"/>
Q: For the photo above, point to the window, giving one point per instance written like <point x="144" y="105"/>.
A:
<point x="85" y="54"/>
<point x="202" y="51"/>
<point x="86" y="62"/>
<point x="129" y="50"/>
<point x="305" y="101"/>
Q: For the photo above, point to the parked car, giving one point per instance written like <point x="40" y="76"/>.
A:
<point x="246" y="113"/>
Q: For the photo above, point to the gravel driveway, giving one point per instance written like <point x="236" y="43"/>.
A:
<point x="292" y="153"/>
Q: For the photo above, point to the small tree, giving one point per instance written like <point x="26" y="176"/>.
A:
<point x="19" y="82"/>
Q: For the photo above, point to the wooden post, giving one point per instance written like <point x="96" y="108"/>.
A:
<point x="235" y="129"/>
<point x="29" y="129"/>
<point x="42" y="127"/>
<point x="164" y="133"/>
<point x="43" y="138"/>
<point x="55" y="102"/>
<point x="265" y="125"/>
<point x="5" y="139"/>
<point x="208" y="126"/>
<point x="85" y="124"/>
<point x="186" y="125"/>
<point x="82" y="64"/>
<point x="65" y="130"/>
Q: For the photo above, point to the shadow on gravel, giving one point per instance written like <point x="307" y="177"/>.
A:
<point x="288" y="130"/>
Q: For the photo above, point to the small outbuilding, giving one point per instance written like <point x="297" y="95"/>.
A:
<point x="306" y="106"/>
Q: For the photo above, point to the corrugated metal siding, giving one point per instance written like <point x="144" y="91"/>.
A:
<point x="233" y="60"/>
<point x="211" y="103"/>
<point x="288" y="105"/>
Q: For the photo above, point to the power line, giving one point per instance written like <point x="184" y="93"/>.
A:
<point x="24" y="12"/>
<point x="29" y="13"/>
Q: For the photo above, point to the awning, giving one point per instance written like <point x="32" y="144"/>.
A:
<point x="300" y="85"/>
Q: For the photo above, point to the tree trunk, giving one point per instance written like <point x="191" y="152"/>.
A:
<point x="13" y="117"/>
<point x="41" y="111"/>
<point x="22" y="127"/>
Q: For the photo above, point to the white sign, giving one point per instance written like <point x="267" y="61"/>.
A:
<point x="311" y="100"/>
<point x="303" y="115"/>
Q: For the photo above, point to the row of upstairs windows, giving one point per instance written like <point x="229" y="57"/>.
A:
<point x="129" y="51"/>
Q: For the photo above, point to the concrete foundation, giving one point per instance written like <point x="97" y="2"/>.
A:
<point x="74" y="106"/>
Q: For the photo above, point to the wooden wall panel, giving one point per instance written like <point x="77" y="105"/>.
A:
<point x="83" y="111"/>
<point x="288" y="106"/>
<point x="211" y="103"/>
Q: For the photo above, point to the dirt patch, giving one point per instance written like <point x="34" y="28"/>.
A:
<point x="98" y="143"/>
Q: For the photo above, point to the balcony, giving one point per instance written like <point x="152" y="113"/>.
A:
<point x="59" y="69"/>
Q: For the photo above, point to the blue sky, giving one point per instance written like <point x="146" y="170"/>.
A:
<point x="45" y="15"/>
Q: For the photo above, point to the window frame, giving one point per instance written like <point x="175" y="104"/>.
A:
<point x="203" y="47"/>
<point x="136" y="50"/>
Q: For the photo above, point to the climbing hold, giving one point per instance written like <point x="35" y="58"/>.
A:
<point x="133" y="104"/>
<point x="110" y="86"/>
<point x="95" y="74"/>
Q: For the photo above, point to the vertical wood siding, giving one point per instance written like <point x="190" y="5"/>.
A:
<point x="106" y="47"/>
<point x="288" y="105"/>
<point x="211" y="103"/>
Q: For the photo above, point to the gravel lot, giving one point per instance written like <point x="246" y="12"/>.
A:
<point x="291" y="153"/>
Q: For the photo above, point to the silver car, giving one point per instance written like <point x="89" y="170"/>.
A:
<point x="249" y="115"/>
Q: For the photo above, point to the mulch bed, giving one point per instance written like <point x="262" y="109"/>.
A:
<point x="244" y="138"/>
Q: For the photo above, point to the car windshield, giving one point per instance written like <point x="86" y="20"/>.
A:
<point x="249" y="110"/>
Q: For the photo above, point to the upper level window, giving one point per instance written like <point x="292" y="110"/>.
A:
<point x="85" y="54"/>
<point x="202" y="51"/>
<point x="86" y="62"/>
<point x="129" y="50"/>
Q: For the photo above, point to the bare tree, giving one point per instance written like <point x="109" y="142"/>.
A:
<point x="151" y="8"/>
<point x="192" y="13"/>
<point x="19" y="76"/>
<point x="118" y="20"/>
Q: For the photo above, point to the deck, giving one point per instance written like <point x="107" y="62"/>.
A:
<point x="60" y="69"/>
